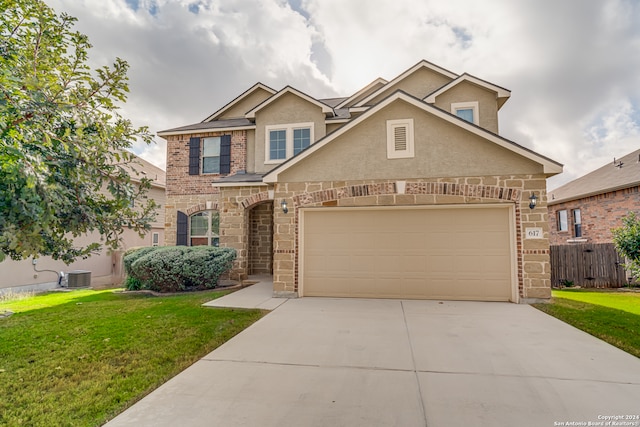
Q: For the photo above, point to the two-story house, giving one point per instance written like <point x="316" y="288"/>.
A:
<point x="404" y="189"/>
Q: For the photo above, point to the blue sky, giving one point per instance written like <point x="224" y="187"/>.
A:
<point x="572" y="65"/>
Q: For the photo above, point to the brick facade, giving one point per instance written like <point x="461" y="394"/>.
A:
<point x="600" y="213"/>
<point x="179" y="182"/>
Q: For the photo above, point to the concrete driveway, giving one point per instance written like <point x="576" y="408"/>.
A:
<point x="357" y="362"/>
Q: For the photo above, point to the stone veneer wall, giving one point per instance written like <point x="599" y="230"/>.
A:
<point x="189" y="204"/>
<point x="235" y="208"/>
<point x="533" y="268"/>
<point x="261" y="239"/>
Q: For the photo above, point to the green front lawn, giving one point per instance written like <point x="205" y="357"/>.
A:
<point x="613" y="317"/>
<point x="79" y="358"/>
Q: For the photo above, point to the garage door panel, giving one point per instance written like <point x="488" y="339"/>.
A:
<point x="443" y="253"/>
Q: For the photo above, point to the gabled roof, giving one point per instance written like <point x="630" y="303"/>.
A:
<point x="549" y="166"/>
<point x="238" y="99"/>
<point x="419" y="65"/>
<point x="602" y="180"/>
<point x="140" y="168"/>
<point x="502" y="93"/>
<point x="332" y="102"/>
<point x="377" y="82"/>
<point x="288" y="89"/>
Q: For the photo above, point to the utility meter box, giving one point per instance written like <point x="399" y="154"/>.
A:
<point x="79" y="279"/>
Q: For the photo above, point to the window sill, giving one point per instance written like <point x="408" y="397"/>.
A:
<point x="275" y="162"/>
<point x="578" y="240"/>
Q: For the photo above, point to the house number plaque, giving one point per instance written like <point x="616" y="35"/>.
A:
<point x="533" y="233"/>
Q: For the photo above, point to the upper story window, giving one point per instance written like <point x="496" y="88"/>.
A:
<point x="285" y="141"/>
<point x="466" y="110"/>
<point x="301" y="139"/>
<point x="563" y="223"/>
<point x="204" y="229"/>
<point x="277" y="144"/>
<point x="211" y="155"/>
<point x="400" y="144"/>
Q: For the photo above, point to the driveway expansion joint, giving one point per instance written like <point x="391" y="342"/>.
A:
<point x="310" y="365"/>
<point x="413" y="361"/>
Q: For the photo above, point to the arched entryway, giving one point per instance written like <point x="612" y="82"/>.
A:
<point x="261" y="238"/>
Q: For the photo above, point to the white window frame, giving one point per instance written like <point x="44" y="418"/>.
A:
<point x="471" y="105"/>
<point x="202" y="156"/>
<point x="576" y="217"/>
<point x="155" y="239"/>
<point x="289" y="135"/>
<point x="210" y="235"/>
<point x="562" y="221"/>
<point x="409" y="152"/>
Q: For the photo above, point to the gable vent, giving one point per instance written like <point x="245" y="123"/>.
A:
<point x="400" y="138"/>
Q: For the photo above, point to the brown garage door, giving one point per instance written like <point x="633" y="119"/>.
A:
<point x="454" y="253"/>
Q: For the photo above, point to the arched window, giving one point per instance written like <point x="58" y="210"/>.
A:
<point x="204" y="229"/>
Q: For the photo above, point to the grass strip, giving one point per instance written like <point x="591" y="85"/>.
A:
<point x="618" y="327"/>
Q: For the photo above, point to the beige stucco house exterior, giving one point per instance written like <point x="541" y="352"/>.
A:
<point x="404" y="189"/>
<point x="105" y="267"/>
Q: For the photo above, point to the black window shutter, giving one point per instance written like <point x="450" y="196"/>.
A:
<point x="182" y="227"/>
<point x="225" y="154"/>
<point x="194" y="156"/>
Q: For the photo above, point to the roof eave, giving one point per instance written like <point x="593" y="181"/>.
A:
<point x="164" y="133"/>
<point x="238" y="99"/>
<point x="551" y="202"/>
<point x="502" y="94"/>
<point x="239" y="184"/>
<point x="251" y="114"/>
<point x="405" y="74"/>
<point x="377" y="81"/>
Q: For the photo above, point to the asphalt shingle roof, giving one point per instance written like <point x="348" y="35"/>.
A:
<point x="241" y="177"/>
<point x="602" y="180"/>
<point x="215" y="124"/>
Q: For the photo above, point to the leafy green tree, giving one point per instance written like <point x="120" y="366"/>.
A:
<point x="64" y="165"/>
<point x="627" y="241"/>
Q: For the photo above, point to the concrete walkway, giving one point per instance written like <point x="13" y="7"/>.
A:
<point x="259" y="295"/>
<point x="357" y="362"/>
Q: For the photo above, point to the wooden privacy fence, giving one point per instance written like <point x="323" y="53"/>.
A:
<point x="587" y="265"/>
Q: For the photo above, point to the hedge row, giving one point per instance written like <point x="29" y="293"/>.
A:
<point x="176" y="268"/>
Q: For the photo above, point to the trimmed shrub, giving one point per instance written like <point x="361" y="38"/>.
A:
<point x="181" y="268"/>
<point x="203" y="265"/>
<point x="133" y="254"/>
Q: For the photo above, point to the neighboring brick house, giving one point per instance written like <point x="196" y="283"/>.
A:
<point x="587" y="208"/>
<point x="401" y="190"/>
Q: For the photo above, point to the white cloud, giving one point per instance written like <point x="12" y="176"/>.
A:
<point x="571" y="65"/>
